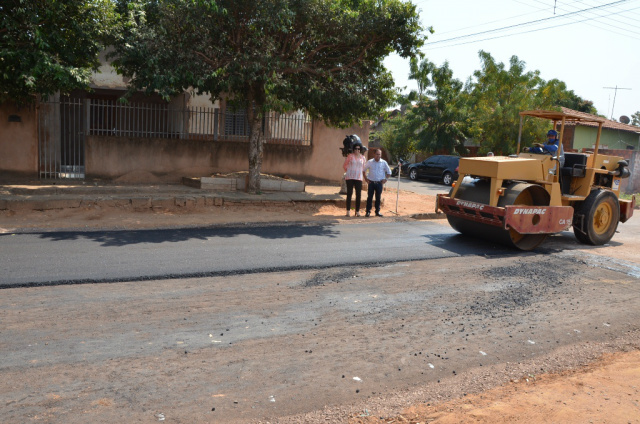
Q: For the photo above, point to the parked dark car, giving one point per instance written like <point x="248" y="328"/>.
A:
<point x="405" y="166"/>
<point x="440" y="168"/>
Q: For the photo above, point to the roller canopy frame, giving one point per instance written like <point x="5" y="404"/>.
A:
<point x="563" y="118"/>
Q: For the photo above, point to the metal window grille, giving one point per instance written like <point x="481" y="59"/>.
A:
<point x="235" y="124"/>
<point x="293" y="129"/>
<point x="163" y="121"/>
<point x="144" y="120"/>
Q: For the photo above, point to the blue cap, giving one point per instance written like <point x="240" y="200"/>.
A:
<point x="552" y="132"/>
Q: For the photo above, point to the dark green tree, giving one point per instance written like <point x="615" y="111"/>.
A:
<point x="48" y="46"/>
<point x="420" y="71"/>
<point x="437" y="122"/>
<point x="497" y="96"/>
<point x="555" y="93"/>
<point x="440" y="119"/>
<point x="635" y="119"/>
<point x="323" y="56"/>
<point x="397" y="138"/>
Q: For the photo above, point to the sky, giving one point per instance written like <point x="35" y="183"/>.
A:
<point x="588" y="44"/>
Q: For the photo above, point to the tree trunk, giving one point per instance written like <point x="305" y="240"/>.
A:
<point x="256" y="141"/>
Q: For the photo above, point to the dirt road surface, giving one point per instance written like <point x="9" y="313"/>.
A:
<point x="542" y="338"/>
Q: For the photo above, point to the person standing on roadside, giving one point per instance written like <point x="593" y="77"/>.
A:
<point x="354" y="167"/>
<point x="379" y="173"/>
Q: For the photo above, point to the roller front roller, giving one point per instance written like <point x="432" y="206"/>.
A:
<point x="478" y="192"/>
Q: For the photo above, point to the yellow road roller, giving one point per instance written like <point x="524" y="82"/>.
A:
<point x="519" y="200"/>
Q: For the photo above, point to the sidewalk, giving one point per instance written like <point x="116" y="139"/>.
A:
<point x="36" y="206"/>
<point x="153" y="197"/>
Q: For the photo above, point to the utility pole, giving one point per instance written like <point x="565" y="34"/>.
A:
<point x="616" y="88"/>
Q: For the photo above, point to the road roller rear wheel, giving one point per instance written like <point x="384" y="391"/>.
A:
<point x="478" y="191"/>
<point x="601" y="214"/>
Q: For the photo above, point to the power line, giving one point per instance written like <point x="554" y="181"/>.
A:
<point x="524" y="23"/>
<point x="617" y="21"/>
<point x="485" y="23"/>
<point x="544" y="7"/>
<point x="429" y="45"/>
<point x="506" y="35"/>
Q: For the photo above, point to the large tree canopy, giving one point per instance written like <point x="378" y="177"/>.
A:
<point x="442" y="118"/>
<point x="438" y="121"/>
<point x="497" y="96"/>
<point x="555" y="92"/>
<point x="324" y="56"/>
<point x="48" y="46"/>
<point x="499" y="93"/>
<point x="444" y="115"/>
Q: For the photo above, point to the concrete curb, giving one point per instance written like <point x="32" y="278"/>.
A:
<point x="159" y="202"/>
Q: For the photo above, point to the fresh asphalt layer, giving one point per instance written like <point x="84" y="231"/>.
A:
<point x="109" y="256"/>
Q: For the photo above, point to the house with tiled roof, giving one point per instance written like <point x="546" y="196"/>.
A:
<point x="93" y="134"/>
<point x="616" y="139"/>
<point x="615" y="135"/>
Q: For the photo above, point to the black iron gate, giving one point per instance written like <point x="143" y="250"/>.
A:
<point x="61" y="138"/>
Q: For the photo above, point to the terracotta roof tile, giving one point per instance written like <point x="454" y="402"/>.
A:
<point x="607" y="124"/>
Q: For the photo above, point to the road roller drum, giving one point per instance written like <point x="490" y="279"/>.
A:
<point x="517" y="193"/>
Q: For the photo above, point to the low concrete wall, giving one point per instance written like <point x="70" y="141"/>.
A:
<point x="112" y="157"/>
<point x="171" y="159"/>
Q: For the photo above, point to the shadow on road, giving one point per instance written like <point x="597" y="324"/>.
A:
<point x="124" y="238"/>
<point x="464" y="245"/>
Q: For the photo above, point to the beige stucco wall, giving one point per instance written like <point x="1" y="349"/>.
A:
<point x="171" y="159"/>
<point x="112" y="157"/>
<point x="323" y="161"/>
<point x="18" y="141"/>
<point x="202" y="100"/>
<point x="107" y="77"/>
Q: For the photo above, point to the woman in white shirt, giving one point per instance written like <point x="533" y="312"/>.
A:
<point x="354" y="165"/>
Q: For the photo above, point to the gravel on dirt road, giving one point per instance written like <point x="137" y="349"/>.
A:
<point x="445" y="340"/>
<point x="330" y="345"/>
